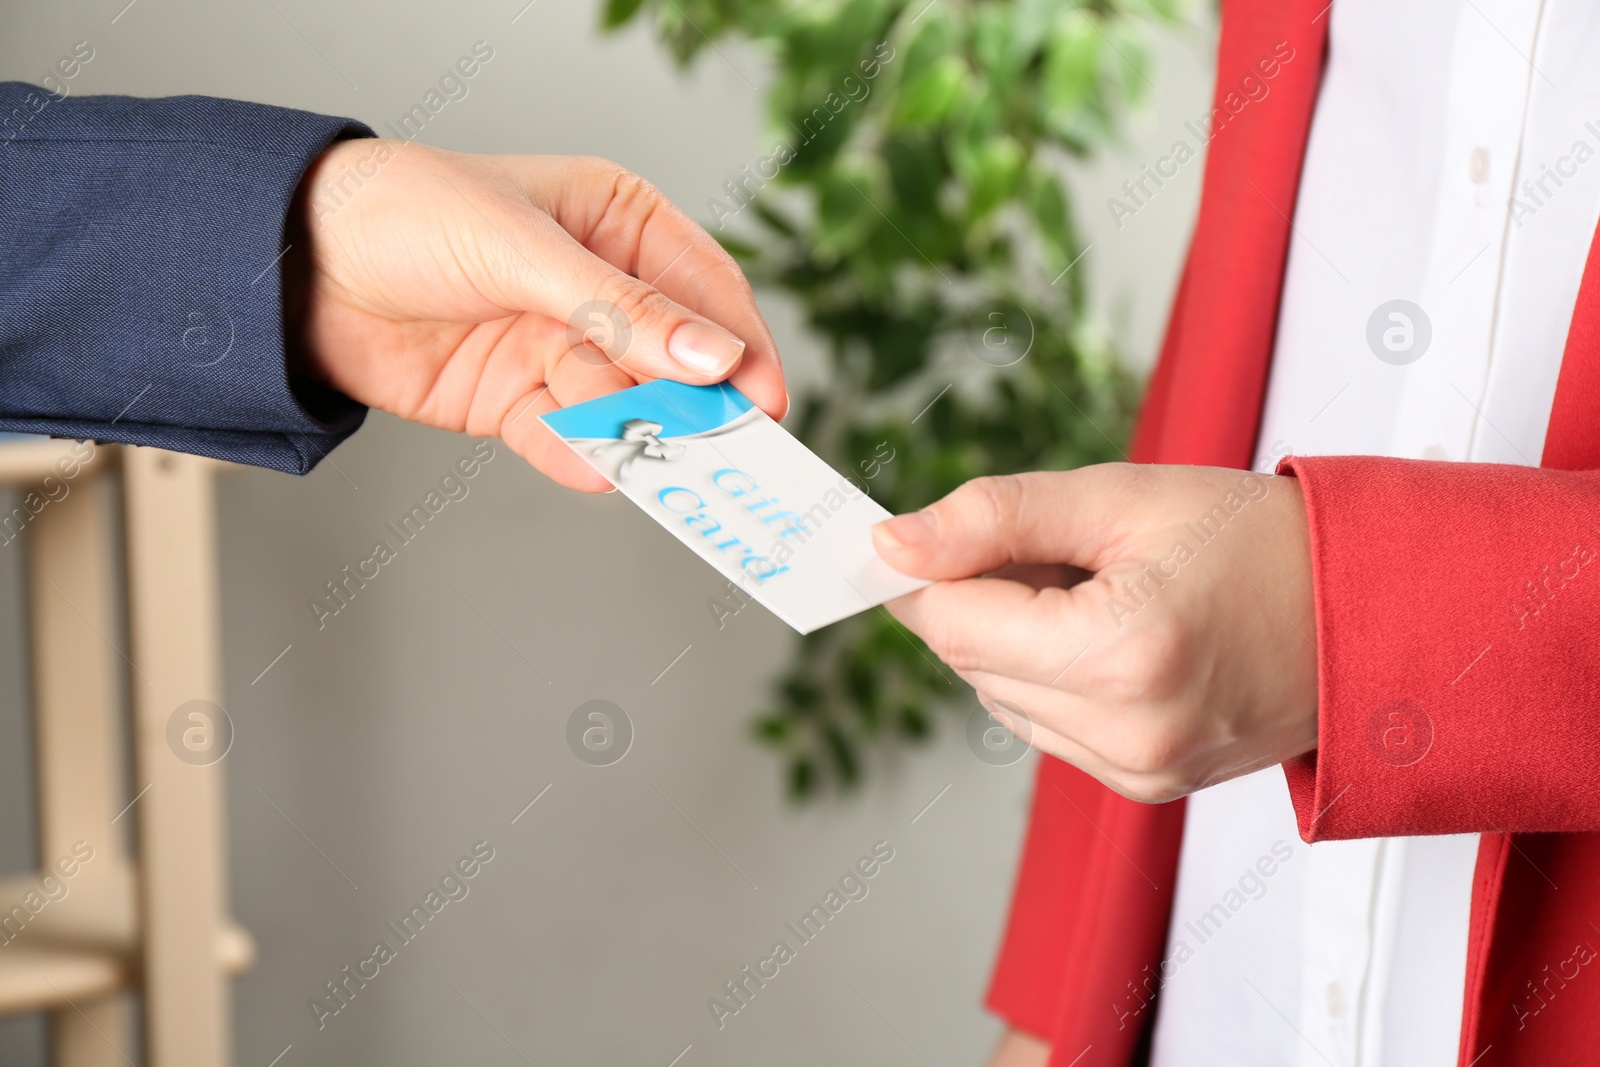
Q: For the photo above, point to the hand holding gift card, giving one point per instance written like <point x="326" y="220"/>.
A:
<point x="742" y="493"/>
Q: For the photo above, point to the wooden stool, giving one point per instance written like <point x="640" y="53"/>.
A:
<point x="157" y="920"/>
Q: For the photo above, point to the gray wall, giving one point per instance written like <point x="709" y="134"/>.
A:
<point x="429" y="713"/>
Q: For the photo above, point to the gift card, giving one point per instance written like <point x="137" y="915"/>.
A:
<point x="743" y="494"/>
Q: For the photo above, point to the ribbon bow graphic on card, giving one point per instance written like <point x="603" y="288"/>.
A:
<point x="640" y="437"/>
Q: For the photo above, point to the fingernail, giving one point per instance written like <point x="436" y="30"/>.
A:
<point x="703" y="348"/>
<point x="917" y="528"/>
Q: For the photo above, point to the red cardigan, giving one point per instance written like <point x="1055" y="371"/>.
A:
<point x="1469" y="591"/>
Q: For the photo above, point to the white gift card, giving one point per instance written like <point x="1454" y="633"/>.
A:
<point x="743" y="493"/>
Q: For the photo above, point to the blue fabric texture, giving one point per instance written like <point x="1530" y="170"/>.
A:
<point x="141" y="298"/>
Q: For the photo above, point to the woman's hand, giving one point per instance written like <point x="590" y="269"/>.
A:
<point x="475" y="293"/>
<point x="1017" y="1049"/>
<point x="1176" y="647"/>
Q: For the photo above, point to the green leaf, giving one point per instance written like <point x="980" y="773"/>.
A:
<point x="735" y="247"/>
<point x="914" y="169"/>
<point x="1130" y="60"/>
<point x="1048" y="206"/>
<point x="938" y="37"/>
<point x="845" y="212"/>
<point x="994" y="45"/>
<point x="802" y="778"/>
<point x="1032" y="21"/>
<point x="928" y="97"/>
<point x="619" y="12"/>
<point x="998" y="166"/>
<point x="774" y="729"/>
<point x="914" y="724"/>
<point x="846" y="764"/>
<point x="1071" y="68"/>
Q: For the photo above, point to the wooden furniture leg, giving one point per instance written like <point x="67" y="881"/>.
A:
<point x="174" y="628"/>
<point x="77" y="705"/>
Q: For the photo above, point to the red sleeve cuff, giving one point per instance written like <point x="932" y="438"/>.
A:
<point x="1459" y="666"/>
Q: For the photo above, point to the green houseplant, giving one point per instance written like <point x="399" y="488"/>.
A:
<point x="912" y="200"/>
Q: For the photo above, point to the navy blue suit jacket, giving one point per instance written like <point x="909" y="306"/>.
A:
<point x="141" y="298"/>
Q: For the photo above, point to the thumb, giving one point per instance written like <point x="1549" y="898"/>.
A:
<point x="1039" y="517"/>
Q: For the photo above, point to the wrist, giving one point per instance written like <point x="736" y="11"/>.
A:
<point x="304" y="224"/>
<point x="1299" y="600"/>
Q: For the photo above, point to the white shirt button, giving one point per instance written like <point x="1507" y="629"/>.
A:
<point x="1335" y="995"/>
<point x="1436" y="452"/>
<point x="1478" y="165"/>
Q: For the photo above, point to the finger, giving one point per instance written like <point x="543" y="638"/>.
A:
<point x="1019" y="722"/>
<point x="1002" y="627"/>
<point x="584" y="374"/>
<point x="1039" y="517"/>
<point x="1019" y="709"/>
<point x="1114" y="752"/>
<point x="687" y="306"/>
<point x="1046" y="712"/>
<point x="521" y="362"/>
<point x="535" y="442"/>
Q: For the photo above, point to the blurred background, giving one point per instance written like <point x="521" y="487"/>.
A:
<point x="374" y="752"/>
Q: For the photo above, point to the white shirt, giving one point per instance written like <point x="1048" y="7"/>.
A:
<point x="1432" y="113"/>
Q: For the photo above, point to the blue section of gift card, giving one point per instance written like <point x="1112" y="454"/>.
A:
<point x="680" y="409"/>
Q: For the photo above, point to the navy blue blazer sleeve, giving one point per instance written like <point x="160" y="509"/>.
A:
<point x="141" y="295"/>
